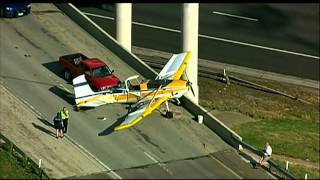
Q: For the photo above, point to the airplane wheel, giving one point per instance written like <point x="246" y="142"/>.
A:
<point x="169" y="115"/>
<point x="77" y="109"/>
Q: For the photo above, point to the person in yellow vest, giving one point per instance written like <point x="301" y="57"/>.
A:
<point x="64" y="114"/>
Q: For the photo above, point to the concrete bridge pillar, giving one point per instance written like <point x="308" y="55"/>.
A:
<point x="190" y="26"/>
<point x="123" y="24"/>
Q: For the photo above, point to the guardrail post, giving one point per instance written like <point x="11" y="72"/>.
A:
<point x="306" y="176"/>
<point x="10" y="148"/>
<point x="41" y="172"/>
<point x="200" y="119"/>
<point x="287" y="165"/>
<point x="39" y="163"/>
<point x="25" y="159"/>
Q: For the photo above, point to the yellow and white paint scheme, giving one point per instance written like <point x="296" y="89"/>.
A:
<point x="147" y="96"/>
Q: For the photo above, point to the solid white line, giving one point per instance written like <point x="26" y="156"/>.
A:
<point x="152" y="158"/>
<point x="262" y="47"/>
<point x="231" y="15"/>
<point x="92" y="156"/>
<point x="97" y="15"/>
<point x="157" y="27"/>
<point x="216" y="38"/>
<point x="223" y="165"/>
<point x="158" y="162"/>
<point x="136" y="23"/>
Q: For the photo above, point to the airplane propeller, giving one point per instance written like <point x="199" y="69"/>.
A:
<point x="189" y="83"/>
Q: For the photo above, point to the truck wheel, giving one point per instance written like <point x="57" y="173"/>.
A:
<point x="67" y="75"/>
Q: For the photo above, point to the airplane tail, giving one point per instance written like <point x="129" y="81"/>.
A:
<point x="81" y="87"/>
<point x="84" y="95"/>
<point x="175" y="66"/>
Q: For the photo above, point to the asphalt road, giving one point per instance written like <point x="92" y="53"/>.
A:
<point x="30" y="47"/>
<point x="281" y="38"/>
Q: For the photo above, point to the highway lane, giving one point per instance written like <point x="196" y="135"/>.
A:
<point x="284" y="39"/>
<point x="30" y="47"/>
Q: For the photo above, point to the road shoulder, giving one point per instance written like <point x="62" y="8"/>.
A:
<point x="60" y="157"/>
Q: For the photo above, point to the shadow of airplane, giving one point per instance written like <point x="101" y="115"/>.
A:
<point x="110" y="129"/>
<point x="44" y="129"/>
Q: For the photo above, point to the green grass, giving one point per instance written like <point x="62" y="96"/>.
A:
<point x="11" y="168"/>
<point x="290" y="126"/>
<point x="290" y="137"/>
<point x="300" y="171"/>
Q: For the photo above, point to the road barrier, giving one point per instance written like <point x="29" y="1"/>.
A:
<point x="6" y="144"/>
<point x="133" y="61"/>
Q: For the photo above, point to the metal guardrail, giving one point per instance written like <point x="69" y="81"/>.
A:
<point x="281" y="172"/>
<point x="18" y="153"/>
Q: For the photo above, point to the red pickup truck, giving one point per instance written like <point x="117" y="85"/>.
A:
<point x="97" y="73"/>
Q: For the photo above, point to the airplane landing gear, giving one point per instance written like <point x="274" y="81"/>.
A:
<point x="169" y="114"/>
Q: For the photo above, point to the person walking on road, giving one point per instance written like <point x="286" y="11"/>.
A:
<point x="267" y="151"/>
<point x="58" y="125"/>
<point x="64" y="114"/>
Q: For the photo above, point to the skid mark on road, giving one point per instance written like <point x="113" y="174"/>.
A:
<point x="146" y="138"/>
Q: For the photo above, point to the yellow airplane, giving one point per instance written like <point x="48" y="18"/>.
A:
<point x="147" y="96"/>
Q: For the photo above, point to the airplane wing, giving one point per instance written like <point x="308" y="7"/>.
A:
<point x="141" y="112"/>
<point x="175" y="66"/>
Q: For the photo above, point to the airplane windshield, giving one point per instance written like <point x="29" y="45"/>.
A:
<point x="101" y="71"/>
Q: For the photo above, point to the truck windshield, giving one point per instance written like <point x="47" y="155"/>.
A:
<point x="101" y="71"/>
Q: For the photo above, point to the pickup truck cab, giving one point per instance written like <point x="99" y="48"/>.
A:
<point x="98" y="74"/>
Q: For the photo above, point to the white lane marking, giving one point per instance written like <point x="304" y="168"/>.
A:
<point x="97" y="15"/>
<point x="152" y="158"/>
<point x="158" y="162"/>
<point x="223" y="165"/>
<point x="137" y="23"/>
<point x="104" y="165"/>
<point x="262" y="47"/>
<point x="215" y="38"/>
<point x="231" y="15"/>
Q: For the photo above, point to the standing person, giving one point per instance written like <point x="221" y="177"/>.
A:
<point x="64" y="114"/>
<point x="58" y="125"/>
<point x="267" y="151"/>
